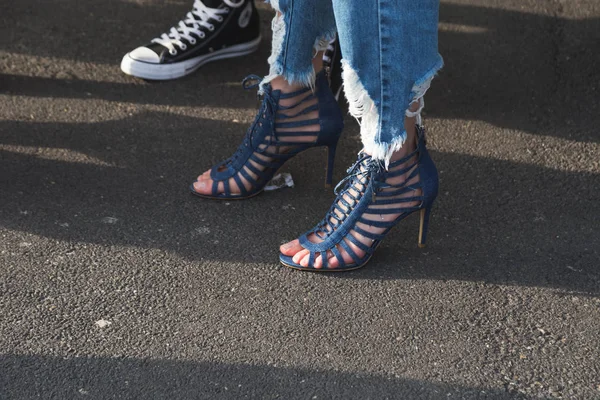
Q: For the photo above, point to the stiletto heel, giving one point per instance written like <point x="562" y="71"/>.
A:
<point x="330" y="161"/>
<point x="370" y="201"/>
<point x="286" y="125"/>
<point x="424" y="225"/>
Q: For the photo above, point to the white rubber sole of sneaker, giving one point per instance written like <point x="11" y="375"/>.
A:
<point x="161" y="72"/>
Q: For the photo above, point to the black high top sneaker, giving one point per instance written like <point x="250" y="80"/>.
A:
<point x="213" y="30"/>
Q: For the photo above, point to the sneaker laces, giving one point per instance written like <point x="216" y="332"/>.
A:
<point x="196" y="19"/>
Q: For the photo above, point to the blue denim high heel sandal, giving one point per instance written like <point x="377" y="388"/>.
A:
<point x="277" y="134"/>
<point x="364" y="192"/>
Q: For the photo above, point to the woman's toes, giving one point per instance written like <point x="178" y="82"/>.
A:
<point x="290" y="248"/>
<point x="304" y="261"/>
<point x="203" y="187"/>
<point x="205" y="175"/>
<point x="346" y="257"/>
<point x="300" y="255"/>
<point x="333" y="262"/>
<point x="318" y="262"/>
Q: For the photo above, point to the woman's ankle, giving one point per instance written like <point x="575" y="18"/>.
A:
<point x="410" y="143"/>
<point x="284" y="86"/>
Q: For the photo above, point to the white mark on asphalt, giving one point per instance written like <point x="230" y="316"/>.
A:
<point x="24" y="244"/>
<point x="453" y="27"/>
<point x="202" y="230"/>
<point x="109" y="220"/>
<point x="63" y="224"/>
<point x="102" y="323"/>
<point x="83" y="391"/>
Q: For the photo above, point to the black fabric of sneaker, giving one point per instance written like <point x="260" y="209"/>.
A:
<point x="213" y="3"/>
<point x="227" y="32"/>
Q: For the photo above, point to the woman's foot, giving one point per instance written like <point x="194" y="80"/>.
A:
<point x="371" y="202"/>
<point x="290" y="120"/>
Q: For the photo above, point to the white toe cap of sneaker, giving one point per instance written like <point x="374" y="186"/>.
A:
<point x="144" y="54"/>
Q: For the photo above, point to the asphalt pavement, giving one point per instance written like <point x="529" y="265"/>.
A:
<point x="116" y="283"/>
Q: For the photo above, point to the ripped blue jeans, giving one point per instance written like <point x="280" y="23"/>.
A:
<point x="390" y="50"/>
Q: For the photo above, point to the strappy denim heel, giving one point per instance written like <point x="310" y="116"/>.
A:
<point x="364" y="192"/>
<point x="278" y="133"/>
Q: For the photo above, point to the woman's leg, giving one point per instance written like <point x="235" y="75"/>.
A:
<point x="301" y="29"/>
<point x="288" y="124"/>
<point x="382" y="78"/>
<point x="390" y="56"/>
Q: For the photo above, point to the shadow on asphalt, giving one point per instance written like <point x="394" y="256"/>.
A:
<point x="502" y="66"/>
<point x="495" y="221"/>
<point x="102" y="378"/>
<point x="150" y="93"/>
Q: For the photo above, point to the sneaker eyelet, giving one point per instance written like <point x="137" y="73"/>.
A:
<point x="183" y="46"/>
<point x="192" y="41"/>
<point x="211" y="28"/>
<point x="173" y="52"/>
<point x="219" y="19"/>
<point x="227" y="9"/>
<point x="202" y="35"/>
